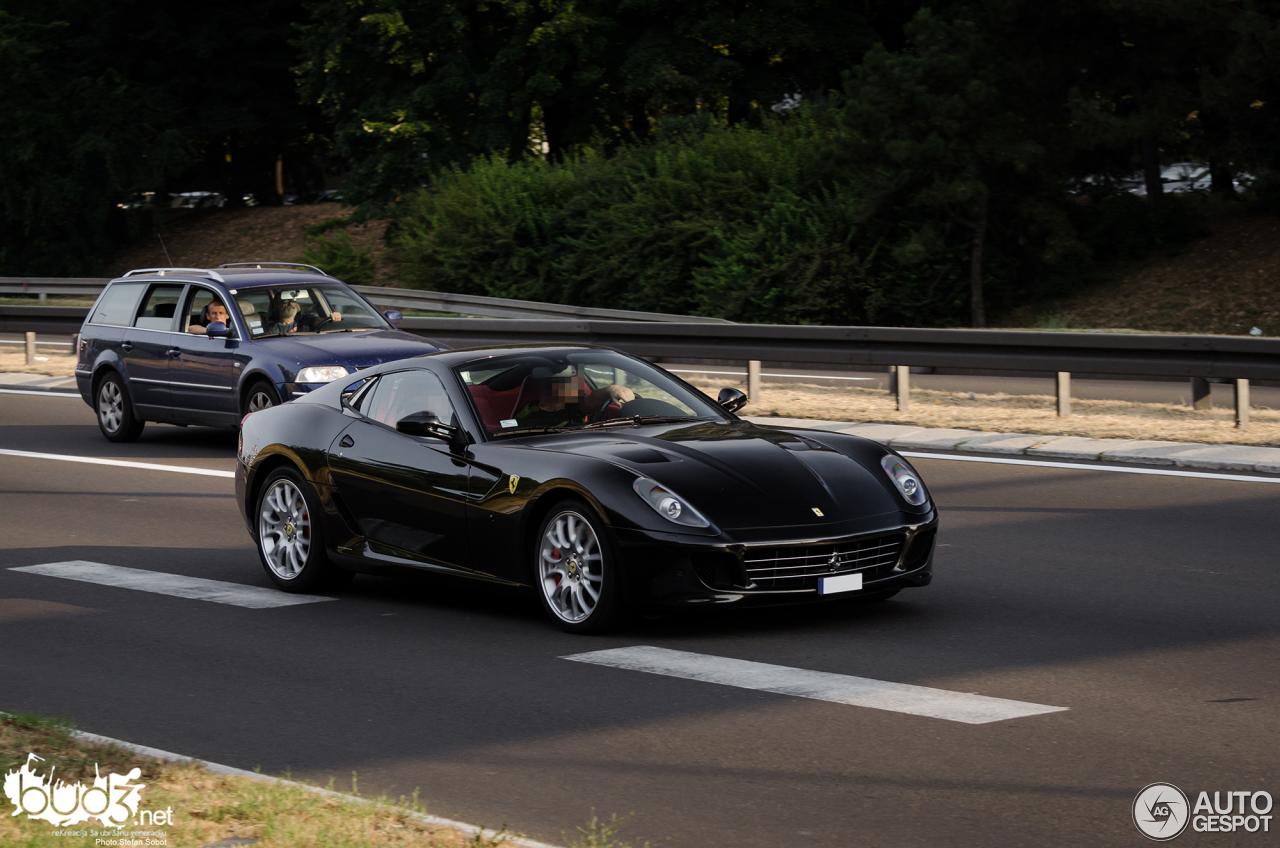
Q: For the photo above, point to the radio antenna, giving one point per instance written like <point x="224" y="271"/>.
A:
<point x="167" y="258"/>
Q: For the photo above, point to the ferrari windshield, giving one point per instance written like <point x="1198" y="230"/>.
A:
<point x="301" y="308"/>
<point x="574" y="390"/>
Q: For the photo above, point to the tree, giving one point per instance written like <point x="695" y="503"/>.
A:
<point x="413" y="86"/>
<point x="957" y="129"/>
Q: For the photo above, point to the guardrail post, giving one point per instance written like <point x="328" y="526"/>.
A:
<point x="902" y="386"/>
<point x="1242" y="403"/>
<point x="1201" y="394"/>
<point x="42" y="298"/>
<point x="31" y="348"/>
<point x="753" y="380"/>
<point x="1064" y="394"/>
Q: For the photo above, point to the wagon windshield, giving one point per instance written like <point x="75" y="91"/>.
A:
<point x="300" y="308"/>
<point x="574" y="390"/>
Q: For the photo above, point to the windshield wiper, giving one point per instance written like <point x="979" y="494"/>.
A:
<point x="532" y="431"/>
<point x="635" y="420"/>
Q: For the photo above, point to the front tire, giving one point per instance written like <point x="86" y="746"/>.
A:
<point x="576" y="570"/>
<point x="261" y="395"/>
<point x="290" y="543"/>
<point x="116" y="417"/>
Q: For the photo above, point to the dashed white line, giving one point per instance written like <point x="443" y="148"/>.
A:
<point x="39" y="394"/>
<point x="176" y="585"/>
<point x="120" y="463"/>
<point x="817" y="685"/>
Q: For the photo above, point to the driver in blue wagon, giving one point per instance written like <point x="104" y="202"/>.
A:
<point x="565" y="401"/>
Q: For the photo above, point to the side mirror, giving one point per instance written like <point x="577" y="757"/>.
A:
<point x="731" y="399"/>
<point x="429" y="426"/>
<point x="217" y="330"/>
<point x="395" y="316"/>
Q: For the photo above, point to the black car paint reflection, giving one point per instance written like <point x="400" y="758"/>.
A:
<point x="807" y="502"/>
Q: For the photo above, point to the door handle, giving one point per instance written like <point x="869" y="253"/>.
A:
<point x="347" y="442"/>
<point x="174" y="351"/>
<point x="126" y="347"/>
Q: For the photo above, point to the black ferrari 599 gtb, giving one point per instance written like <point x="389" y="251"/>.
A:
<point x="602" y="482"/>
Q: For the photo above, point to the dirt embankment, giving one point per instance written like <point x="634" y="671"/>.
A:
<point x="207" y="238"/>
<point x="1226" y="284"/>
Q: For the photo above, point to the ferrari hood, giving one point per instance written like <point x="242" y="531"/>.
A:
<point x="740" y="475"/>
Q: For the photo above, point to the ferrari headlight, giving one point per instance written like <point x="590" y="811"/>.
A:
<point x="668" y="504"/>
<point x="905" y="479"/>
<point x="321" y="374"/>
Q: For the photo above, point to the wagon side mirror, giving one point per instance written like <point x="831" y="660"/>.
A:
<point x="731" y="399"/>
<point x="217" y="330"/>
<point x="395" y="316"/>
<point x="428" y="425"/>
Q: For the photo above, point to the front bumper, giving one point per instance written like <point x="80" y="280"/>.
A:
<point x="668" y="571"/>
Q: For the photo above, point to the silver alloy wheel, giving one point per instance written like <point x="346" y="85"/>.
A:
<point x="284" y="529"/>
<point x="110" y="406"/>
<point x="259" y="401"/>
<point x="571" y="567"/>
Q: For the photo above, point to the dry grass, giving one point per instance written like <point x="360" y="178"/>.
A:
<point x="209" y="807"/>
<point x="52" y="364"/>
<point x="1001" y="413"/>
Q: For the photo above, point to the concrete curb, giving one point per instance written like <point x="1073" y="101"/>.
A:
<point x="1173" y="454"/>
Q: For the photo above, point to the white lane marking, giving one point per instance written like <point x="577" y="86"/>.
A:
<point x="1076" y="466"/>
<point x="818" y="685"/>
<point x="39" y="394"/>
<point x="195" y="588"/>
<point x="743" y="374"/>
<point x="38" y="344"/>
<point x="122" y="463"/>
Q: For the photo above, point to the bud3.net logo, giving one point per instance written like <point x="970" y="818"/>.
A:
<point x="112" y="800"/>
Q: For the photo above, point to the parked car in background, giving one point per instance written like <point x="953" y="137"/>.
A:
<point x="150" y="349"/>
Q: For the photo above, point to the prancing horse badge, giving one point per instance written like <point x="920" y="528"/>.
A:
<point x="512" y="482"/>
<point x="816" y="511"/>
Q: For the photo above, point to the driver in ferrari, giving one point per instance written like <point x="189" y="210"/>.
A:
<point x="564" y="402"/>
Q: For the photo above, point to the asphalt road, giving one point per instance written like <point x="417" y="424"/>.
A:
<point x="1145" y="605"/>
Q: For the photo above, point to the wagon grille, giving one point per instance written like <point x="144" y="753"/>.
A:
<point x="800" y="566"/>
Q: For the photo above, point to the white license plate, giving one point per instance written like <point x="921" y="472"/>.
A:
<point x="842" y="583"/>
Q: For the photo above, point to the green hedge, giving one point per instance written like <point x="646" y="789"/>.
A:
<point x="749" y="224"/>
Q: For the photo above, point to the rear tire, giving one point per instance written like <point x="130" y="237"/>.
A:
<point x="290" y="543"/>
<point x="116" y="417"/>
<point x="576" y="570"/>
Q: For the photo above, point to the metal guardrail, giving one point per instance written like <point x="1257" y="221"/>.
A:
<point x="1198" y="358"/>
<point x="427" y="301"/>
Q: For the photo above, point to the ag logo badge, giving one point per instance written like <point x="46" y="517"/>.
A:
<point x="512" y="482"/>
<point x="1161" y="812"/>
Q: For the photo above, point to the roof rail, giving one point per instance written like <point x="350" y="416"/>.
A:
<point x="165" y="271"/>
<point x="274" y="265"/>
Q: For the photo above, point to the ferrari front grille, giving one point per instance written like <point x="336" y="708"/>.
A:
<point x="800" y="566"/>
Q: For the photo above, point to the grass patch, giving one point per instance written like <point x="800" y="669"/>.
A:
<point x="1002" y="413"/>
<point x="54" y="300"/>
<point x="208" y="808"/>
<point x="14" y="358"/>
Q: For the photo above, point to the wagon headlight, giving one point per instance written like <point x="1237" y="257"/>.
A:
<point x="321" y="374"/>
<point x="668" y="504"/>
<point x="906" y="480"/>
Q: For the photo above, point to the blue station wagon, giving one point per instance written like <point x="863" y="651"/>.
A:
<point x="209" y="346"/>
